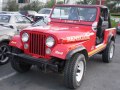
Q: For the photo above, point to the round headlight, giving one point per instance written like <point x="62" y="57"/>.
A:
<point x="50" y="41"/>
<point x="25" y="37"/>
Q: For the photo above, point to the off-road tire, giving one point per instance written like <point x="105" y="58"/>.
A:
<point x="17" y="64"/>
<point x="70" y="71"/>
<point x="108" y="53"/>
<point x="6" y="48"/>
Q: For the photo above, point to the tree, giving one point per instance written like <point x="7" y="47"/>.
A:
<point x="11" y="6"/>
<point x="112" y="5"/>
<point x="36" y="6"/>
<point x="50" y="4"/>
<point x="89" y="2"/>
<point x="60" y="2"/>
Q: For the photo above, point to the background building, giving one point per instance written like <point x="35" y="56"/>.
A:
<point x="21" y="3"/>
<point x="3" y="3"/>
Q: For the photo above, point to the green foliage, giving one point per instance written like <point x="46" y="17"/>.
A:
<point x="89" y="2"/>
<point x="50" y="4"/>
<point x="36" y="5"/>
<point x="60" y="2"/>
<point x="111" y="4"/>
<point x="113" y="22"/>
<point x="80" y="2"/>
<point x="11" y="6"/>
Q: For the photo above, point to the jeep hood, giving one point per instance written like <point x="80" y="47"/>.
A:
<point x="62" y="31"/>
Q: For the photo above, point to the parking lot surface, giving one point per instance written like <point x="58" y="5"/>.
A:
<point x="99" y="76"/>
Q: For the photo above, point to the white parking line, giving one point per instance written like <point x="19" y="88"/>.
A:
<point x="7" y="76"/>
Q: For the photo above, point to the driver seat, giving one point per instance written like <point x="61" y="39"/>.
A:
<point x="100" y="32"/>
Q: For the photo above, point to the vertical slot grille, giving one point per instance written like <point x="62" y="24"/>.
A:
<point x="37" y="44"/>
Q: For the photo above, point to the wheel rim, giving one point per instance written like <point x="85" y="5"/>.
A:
<point x="79" y="71"/>
<point x="111" y="51"/>
<point x="3" y="50"/>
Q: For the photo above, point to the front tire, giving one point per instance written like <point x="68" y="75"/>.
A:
<point x="4" y="48"/>
<point x="18" y="65"/>
<point x="74" y="71"/>
<point x="108" y="53"/>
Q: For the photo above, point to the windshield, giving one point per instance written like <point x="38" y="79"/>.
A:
<point x="4" y="18"/>
<point x="40" y="22"/>
<point x="74" y="13"/>
<point x="44" y="11"/>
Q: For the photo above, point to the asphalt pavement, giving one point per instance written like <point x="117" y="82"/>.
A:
<point x="99" y="76"/>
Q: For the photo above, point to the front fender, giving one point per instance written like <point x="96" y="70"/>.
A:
<point x="64" y="52"/>
<point x="16" y="42"/>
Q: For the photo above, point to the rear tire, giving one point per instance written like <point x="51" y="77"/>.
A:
<point x="18" y="65"/>
<point x="74" y="71"/>
<point x="108" y="53"/>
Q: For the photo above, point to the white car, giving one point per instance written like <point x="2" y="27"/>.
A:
<point x="16" y="20"/>
<point x="6" y="33"/>
<point x="43" y="13"/>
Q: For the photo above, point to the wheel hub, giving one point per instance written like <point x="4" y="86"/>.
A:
<point x="111" y="52"/>
<point x="79" y="71"/>
<point x="3" y="51"/>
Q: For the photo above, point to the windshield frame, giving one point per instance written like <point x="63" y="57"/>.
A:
<point x="75" y="21"/>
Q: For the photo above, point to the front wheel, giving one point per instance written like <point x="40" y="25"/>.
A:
<point x="74" y="71"/>
<point x="17" y="64"/>
<point x="108" y="53"/>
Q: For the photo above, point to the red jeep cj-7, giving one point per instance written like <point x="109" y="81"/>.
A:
<point x="75" y="33"/>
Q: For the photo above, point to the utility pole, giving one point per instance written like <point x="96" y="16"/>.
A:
<point x="100" y="2"/>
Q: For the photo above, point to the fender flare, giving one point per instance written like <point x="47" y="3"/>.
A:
<point x="111" y="37"/>
<point x="76" y="50"/>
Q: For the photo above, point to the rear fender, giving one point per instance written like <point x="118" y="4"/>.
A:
<point x="16" y="42"/>
<point x="109" y="34"/>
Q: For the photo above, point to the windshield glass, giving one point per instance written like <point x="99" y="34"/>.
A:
<point x="74" y="13"/>
<point x="41" y="22"/>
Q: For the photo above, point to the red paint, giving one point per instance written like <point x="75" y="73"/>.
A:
<point x="16" y="42"/>
<point x="61" y="30"/>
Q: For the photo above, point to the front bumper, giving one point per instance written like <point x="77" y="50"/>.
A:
<point x="35" y="61"/>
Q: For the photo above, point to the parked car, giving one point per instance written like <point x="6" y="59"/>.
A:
<point x="4" y="12"/>
<point x="66" y="43"/>
<point x="6" y="33"/>
<point x="16" y="20"/>
<point x="14" y="12"/>
<point x="29" y="13"/>
<point x="41" y="22"/>
<point x="118" y="28"/>
<point x="43" y="13"/>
